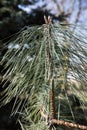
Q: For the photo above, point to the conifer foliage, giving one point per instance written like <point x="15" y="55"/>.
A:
<point x="46" y="65"/>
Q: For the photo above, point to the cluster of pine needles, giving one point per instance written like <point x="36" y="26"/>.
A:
<point x="45" y="71"/>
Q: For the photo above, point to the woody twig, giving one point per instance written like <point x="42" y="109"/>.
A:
<point x="63" y="123"/>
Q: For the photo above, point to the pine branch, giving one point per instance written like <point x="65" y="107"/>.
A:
<point x="68" y="124"/>
<point x="50" y="66"/>
<point x="63" y="123"/>
<point x="60" y="11"/>
<point x="39" y="61"/>
<point x="79" y="12"/>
